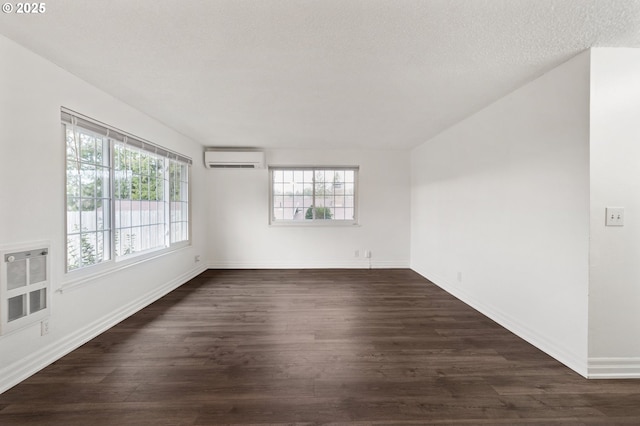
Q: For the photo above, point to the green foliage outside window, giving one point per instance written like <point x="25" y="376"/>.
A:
<point x="138" y="175"/>
<point x="320" y="213"/>
<point x="85" y="257"/>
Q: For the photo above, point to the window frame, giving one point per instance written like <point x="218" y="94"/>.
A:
<point x="112" y="137"/>
<point x="105" y="165"/>
<point x="315" y="222"/>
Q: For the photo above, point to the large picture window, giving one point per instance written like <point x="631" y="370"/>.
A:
<point x="125" y="196"/>
<point x="313" y="195"/>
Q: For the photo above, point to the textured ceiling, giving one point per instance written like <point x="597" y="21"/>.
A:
<point x="321" y="73"/>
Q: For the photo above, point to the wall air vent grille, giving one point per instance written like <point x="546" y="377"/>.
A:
<point x="24" y="288"/>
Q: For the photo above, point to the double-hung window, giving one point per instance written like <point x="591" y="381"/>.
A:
<point x="313" y="195"/>
<point x="125" y="196"/>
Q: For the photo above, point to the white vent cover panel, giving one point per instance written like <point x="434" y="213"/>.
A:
<point x="24" y="287"/>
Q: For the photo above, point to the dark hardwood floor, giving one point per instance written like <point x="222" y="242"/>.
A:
<point x="312" y="346"/>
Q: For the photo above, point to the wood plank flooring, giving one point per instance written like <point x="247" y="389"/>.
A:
<point x="358" y="347"/>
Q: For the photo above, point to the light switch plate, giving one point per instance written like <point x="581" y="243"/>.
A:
<point x="615" y="216"/>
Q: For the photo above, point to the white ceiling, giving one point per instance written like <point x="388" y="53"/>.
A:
<point x="317" y="73"/>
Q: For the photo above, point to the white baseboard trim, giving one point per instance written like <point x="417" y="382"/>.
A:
<point x="355" y="264"/>
<point x="15" y="373"/>
<point x="614" y="368"/>
<point x="538" y="340"/>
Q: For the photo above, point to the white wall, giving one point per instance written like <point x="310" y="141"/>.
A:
<point x="500" y="211"/>
<point x="614" y="302"/>
<point x="32" y="153"/>
<point x="241" y="237"/>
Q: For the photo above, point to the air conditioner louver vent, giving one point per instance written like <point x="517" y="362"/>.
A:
<point x="230" y="159"/>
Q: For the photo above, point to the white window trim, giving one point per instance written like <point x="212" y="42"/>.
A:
<point x="77" y="277"/>
<point x="316" y="222"/>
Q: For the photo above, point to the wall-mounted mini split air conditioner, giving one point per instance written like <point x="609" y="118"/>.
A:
<point x="234" y="159"/>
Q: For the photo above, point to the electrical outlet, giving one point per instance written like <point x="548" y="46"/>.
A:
<point x="197" y="258"/>
<point x="356" y="253"/>
<point x="615" y="216"/>
<point x="367" y="254"/>
<point x="44" y="327"/>
<point x="459" y="277"/>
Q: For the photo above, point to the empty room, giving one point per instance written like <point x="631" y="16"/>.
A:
<point x="320" y="212"/>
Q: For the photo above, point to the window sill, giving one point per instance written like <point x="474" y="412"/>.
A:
<point x="316" y="224"/>
<point x="77" y="279"/>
